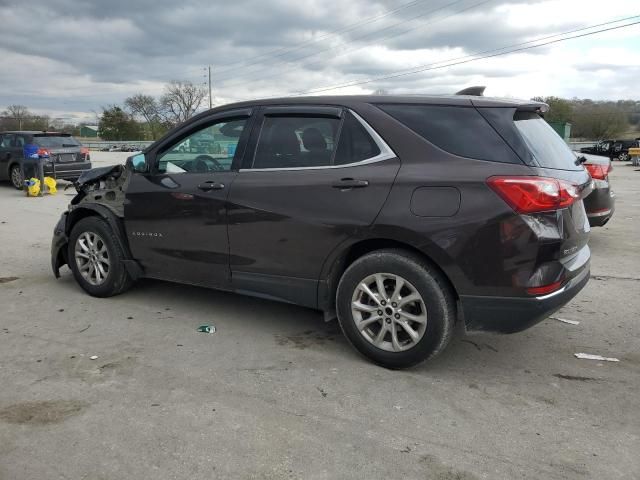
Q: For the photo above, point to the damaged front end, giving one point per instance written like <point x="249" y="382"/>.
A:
<point x="101" y="192"/>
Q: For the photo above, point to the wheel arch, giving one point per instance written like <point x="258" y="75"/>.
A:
<point x="334" y="268"/>
<point x="96" y="210"/>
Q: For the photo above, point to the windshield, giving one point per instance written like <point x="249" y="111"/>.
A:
<point x="55" y="141"/>
<point x="548" y="148"/>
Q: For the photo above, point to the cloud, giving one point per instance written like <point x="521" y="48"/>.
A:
<point x="76" y="56"/>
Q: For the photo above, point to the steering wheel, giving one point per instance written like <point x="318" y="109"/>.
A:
<point x="201" y="164"/>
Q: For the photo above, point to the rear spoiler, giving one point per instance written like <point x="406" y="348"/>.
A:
<point x="473" y="91"/>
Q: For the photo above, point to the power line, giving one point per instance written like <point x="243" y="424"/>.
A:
<point x="344" y="52"/>
<point x="436" y="66"/>
<point x="347" y="28"/>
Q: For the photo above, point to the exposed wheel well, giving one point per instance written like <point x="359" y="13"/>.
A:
<point x="364" y="247"/>
<point x="78" y="215"/>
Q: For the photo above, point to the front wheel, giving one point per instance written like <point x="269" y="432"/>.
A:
<point x="96" y="258"/>
<point x="623" y="157"/>
<point x="395" y="308"/>
<point x="17" y="180"/>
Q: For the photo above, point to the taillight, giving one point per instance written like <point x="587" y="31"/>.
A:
<point x="43" y="153"/>
<point x="534" y="194"/>
<point x="597" y="172"/>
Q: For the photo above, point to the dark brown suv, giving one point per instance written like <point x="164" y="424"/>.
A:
<point x="398" y="215"/>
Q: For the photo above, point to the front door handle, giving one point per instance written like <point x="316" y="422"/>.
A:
<point x="347" y="183"/>
<point x="210" y="185"/>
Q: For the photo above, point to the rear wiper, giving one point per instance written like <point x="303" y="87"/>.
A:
<point x="580" y="160"/>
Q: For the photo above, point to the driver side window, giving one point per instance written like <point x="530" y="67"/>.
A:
<point x="210" y="149"/>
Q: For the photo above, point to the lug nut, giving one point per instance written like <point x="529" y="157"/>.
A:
<point x="394" y="304"/>
<point x="379" y="312"/>
<point x="388" y="320"/>
<point x="383" y="303"/>
<point x="397" y="315"/>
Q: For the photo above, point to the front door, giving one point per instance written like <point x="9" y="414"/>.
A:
<point x="317" y="177"/>
<point x="175" y="215"/>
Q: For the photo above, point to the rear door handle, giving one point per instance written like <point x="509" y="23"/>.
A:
<point x="347" y="183"/>
<point x="210" y="185"/>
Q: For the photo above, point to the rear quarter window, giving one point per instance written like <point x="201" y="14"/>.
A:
<point x="547" y="147"/>
<point x="458" y="130"/>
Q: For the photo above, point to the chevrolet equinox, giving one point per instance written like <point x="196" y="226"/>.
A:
<point x="399" y="215"/>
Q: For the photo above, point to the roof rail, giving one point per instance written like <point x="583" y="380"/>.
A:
<point x="475" y="91"/>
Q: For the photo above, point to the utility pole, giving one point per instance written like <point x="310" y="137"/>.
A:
<point x="210" y="100"/>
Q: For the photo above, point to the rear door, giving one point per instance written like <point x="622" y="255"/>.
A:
<point x="316" y="176"/>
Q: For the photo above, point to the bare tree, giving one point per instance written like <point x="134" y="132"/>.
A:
<point x="148" y="108"/>
<point x="19" y="113"/>
<point x="181" y="100"/>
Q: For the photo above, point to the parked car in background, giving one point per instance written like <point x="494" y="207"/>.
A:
<point x="613" y="149"/>
<point x="368" y="208"/>
<point x="64" y="157"/>
<point x="600" y="203"/>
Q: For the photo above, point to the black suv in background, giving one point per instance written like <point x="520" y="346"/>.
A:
<point x="399" y="215"/>
<point x="614" y="149"/>
<point x="64" y="157"/>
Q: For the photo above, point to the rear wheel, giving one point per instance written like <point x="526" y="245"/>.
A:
<point x="395" y="308"/>
<point x="17" y="180"/>
<point x="96" y="259"/>
<point x="623" y="157"/>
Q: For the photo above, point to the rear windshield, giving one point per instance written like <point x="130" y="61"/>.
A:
<point x="547" y="147"/>
<point x="55" y="141"/>
<point x="458" y="130"/>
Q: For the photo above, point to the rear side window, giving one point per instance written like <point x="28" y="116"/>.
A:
<point x="355" y="144"/>
<point x="546" y="146"/>
<point x="458" y="130"/>
<point x="55" y="141"/>
<point x="294" y="142"/>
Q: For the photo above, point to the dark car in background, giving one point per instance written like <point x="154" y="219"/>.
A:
<point x="600" y="203"/>
<point x="400" y="215"/>
<point x="63" y="156"/>
<point x="612" y="149"/>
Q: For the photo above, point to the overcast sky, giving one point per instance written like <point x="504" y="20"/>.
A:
<point x="71" y="57"/>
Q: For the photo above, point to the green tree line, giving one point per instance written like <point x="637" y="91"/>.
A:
<point x="595" y="119"/>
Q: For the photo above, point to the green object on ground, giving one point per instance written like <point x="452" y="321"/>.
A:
<point x="207" y="329"/>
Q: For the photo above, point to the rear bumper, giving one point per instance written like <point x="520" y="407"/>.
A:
<point x="600" y="205"/>
<point x="66" y="171"/>
<point x="514" y="314"/>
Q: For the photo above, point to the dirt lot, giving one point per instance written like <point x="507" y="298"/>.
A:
<point x="277" y="393"/>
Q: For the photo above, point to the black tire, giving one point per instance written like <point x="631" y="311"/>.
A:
<point x="429" y="283"/>
<point x="15" y="172"/>
<point x="117" y="280"/>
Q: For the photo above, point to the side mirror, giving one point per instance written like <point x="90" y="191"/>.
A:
<point x="137" y="163"/>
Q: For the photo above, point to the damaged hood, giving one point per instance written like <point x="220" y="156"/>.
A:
<point x="96" y="174"/>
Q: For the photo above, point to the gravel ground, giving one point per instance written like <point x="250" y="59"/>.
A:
<point x="278" y="393"/>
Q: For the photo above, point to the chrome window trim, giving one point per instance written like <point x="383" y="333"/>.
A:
<point x="385" y="153"/>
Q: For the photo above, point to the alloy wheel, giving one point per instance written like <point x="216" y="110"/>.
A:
<point x="389" y="312"/>
<point x="92" y="258"/>
<point x="16" y="177"/>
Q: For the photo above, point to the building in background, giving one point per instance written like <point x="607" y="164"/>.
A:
<point x="89" y="131"/>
